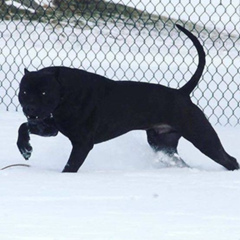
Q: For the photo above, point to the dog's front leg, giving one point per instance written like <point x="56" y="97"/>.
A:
<point x="44" y="128"/>
<point x="23" y="141"/>
<point x="77" y="157"/>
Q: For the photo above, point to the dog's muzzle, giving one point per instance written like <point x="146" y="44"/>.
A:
<point x="33" y="115"/>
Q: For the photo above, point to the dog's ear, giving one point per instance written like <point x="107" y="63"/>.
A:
<point x="26" y="71"/>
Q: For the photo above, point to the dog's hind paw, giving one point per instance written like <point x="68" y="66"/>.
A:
<point x="164" y="160"/>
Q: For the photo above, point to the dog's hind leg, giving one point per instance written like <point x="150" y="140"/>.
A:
<point x="164" y="141"/>
<point x="197" y="129"/>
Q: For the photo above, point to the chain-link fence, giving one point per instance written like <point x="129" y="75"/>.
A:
<point x="132" y="40"/>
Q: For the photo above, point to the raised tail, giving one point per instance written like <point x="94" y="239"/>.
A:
<point x="192" y="83"/>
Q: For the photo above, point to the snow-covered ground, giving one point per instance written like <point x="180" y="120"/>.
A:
<point x="119" y="193"/>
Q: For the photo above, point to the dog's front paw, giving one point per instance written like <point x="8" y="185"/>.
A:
<point x="25" y="149"/>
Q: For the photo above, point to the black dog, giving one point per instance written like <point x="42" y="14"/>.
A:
<point x="89" y="109"/>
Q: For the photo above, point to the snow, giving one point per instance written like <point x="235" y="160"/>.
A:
<point x="18" y="5"/>
<point x="119" y="193"/>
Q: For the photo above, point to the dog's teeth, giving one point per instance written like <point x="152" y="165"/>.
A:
<point x="51" y="115"/>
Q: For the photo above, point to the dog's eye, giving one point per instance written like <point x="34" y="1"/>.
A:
<point x="24" y="92"/>
<point x="43" y="93"/>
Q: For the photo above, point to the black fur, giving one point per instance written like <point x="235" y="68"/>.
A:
<point x="90" y="109"/>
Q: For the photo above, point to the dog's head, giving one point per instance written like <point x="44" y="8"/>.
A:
<point x="39" y="94"/>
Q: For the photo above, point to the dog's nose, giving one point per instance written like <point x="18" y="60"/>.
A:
<point x="30" y="109"/>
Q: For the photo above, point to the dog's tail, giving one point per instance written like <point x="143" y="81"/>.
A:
<point x="192" y="83"/>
